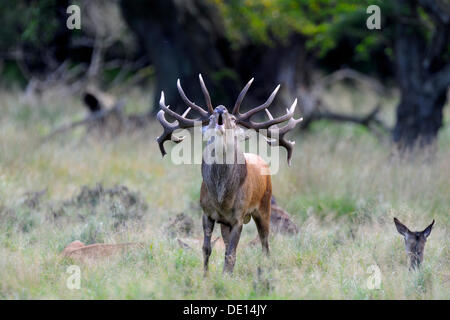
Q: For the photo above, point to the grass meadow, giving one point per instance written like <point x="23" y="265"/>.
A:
<point x="343" y="189"/>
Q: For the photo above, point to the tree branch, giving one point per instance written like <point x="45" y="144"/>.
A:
<point x="321" y="112"/>
<point x="366" y="120"/>
<point x="96" y="116"/>
<point x="346" y="73"/>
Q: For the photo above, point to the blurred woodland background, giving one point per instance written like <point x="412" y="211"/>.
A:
<point x="304" y="45"/>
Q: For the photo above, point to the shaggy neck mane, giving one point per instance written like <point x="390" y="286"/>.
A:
<point x="222" y="180"/>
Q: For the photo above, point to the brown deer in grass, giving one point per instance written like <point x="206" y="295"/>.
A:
<point x="233" y="192"/>
<point x="414" y="242"/>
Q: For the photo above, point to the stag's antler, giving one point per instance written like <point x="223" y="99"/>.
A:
<point x="181" y="121"/>
<point x="275" y="136"/>
<point x="279" y="133"/>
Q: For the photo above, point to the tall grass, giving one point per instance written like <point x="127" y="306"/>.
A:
<point x="343" y="190"/>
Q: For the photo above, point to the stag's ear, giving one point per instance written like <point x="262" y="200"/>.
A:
<point x="427" y="231"/>
<point x="401" y="228"/>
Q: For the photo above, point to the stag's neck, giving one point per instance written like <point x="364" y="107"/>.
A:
<point x="223" y="179"/>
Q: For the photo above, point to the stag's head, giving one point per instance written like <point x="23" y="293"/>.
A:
<point x="221" y="122"/>
<point x="414" y="242"/>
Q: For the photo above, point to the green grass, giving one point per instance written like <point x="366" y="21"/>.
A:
<point x="343" y="190"/>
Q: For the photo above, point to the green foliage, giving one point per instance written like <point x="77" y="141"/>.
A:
<point x="30" y="22"/>
<point x="322" y="22"/>
<point x="10" y="72"/>
<point x="28" y="28"/>
<point x="41" y="22"/>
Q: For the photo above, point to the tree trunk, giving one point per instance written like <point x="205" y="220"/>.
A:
<point x="419" y="118"/>
<point x="423" y="77"/>
<point x="182" y="39"/>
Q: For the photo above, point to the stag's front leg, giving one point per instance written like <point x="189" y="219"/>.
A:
<point x="226" y="230"/>
<point x="208" y="228"/>
<point x="230" y="252"/>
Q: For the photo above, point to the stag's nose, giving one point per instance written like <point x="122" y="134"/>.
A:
<point x="221" y="109"/>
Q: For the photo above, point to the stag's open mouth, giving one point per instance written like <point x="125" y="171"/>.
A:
<point x="220" y="125"/>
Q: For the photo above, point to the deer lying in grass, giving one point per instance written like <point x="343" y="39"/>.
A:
<point x="231" y="193"/>
<point x="78" y="251"/>
<point x="414" y="242"/>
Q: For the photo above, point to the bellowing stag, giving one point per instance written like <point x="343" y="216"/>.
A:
<point x="233" y="192"/>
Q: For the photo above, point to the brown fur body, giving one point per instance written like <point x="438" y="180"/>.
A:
<point x="281" y="221"/>
<point x="245" y="191"/>
<point x="232" y="194"/>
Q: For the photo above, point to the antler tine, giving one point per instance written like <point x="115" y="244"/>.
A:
<point x="280" y="140"/>
<point x="272" y="121"/>
<point x="183" y="122"/>
<point x="168" y="130"/>
<point x="265" y="125"/>
<point x="186" y="112"/>
<point x="206" y="94"/>
<point x="241" y="96"/>
<point x="169" y="127"/>
<point x="276" y="136"/>
<point x="203" y="112"/>
<point x="269" y="114"/>
<point x="246" y="116"/>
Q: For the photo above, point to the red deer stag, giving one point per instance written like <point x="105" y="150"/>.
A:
<point x="235" y="191"/>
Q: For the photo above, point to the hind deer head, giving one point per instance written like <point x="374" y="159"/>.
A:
<point x="414" y="242"/>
